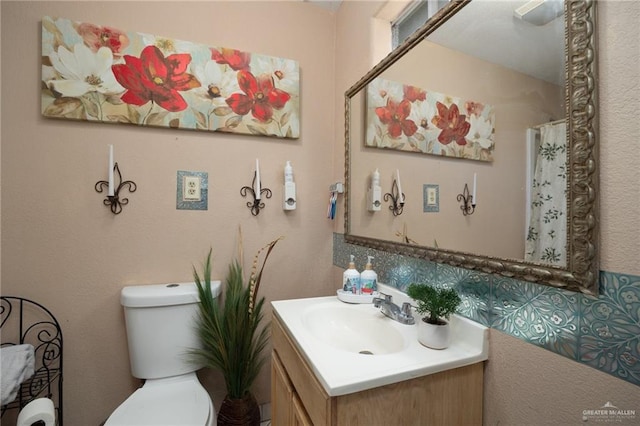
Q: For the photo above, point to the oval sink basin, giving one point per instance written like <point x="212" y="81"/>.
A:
<point x="353" y="329"/>
<point x="334" y="336"/>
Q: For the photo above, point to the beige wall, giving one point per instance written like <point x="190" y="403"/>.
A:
<point x="529" y="386"/>
<point x="62" y="247"/>
<point x="619" y="85"/>
<point x="524" y="384"/>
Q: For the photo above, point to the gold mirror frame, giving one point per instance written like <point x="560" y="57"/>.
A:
<point x="581" y="273"/>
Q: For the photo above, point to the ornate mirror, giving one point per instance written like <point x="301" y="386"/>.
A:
<point x="484" y="123"/>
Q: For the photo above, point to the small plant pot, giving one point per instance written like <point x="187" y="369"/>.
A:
<point x="434" y="336"/>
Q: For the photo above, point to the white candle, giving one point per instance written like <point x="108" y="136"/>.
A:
<point x="474" y="201"/>
<point x="401" y="195"/>
<point x="257" y="188"/>
<point x="110" y="190"/>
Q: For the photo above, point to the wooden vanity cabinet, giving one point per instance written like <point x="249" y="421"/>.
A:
<point x="287" y="409"/>
<point x="452" y="397"/>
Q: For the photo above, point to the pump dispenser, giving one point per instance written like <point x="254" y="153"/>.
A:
<point x="369" y="278"/>
<point x="374" y="194"/>
<point x="289" y="190"/>
<point x="351" y="279"/>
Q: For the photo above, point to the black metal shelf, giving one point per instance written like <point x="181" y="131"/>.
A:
<point x="24" y="321"/>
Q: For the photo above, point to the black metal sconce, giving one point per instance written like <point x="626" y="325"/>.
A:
<point x="468" y="203"/>
<point x="114" y="202"/>
<point x="257" y="203"/>
<point x="397" y="199"/>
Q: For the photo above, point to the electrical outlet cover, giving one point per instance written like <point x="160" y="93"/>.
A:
<point x="431" y="198"/>
<point x="192" y="192"/>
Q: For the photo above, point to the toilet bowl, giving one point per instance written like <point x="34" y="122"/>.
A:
<point x="173" y="401"/>
<point x="160" y="324"/>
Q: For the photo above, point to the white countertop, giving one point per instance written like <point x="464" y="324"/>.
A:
<point x="342" y="372"/>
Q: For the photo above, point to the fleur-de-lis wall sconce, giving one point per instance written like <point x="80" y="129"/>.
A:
<point x="396" y="196"/>
<point x="256" y="191"/>
<point x="113" y="200"/>
<point x="469" y="201"/>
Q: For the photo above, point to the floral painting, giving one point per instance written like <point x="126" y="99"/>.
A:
<point x="408" y="118"/>
<point x="97" y="73"/>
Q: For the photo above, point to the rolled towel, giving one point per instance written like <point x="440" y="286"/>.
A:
<point x="38" y="410"/>
<point x="16" y="365"/>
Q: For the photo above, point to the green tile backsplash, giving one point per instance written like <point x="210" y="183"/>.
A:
<point x="602" y="332"/>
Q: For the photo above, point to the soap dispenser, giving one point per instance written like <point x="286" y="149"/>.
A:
<point x="289" y="189"/>
<point x="369" y="278"/>
<point x="374" y="194"/>
<point x="351" y="279"/>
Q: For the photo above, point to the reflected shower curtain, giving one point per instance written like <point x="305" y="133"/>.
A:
<point x="547" y="230"/>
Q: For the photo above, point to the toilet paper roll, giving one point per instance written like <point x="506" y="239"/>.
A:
<point x="40" y="409"/>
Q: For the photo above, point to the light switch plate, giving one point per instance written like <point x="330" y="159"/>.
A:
<point x="431" y="198"/>
<point x="192" y="191"/>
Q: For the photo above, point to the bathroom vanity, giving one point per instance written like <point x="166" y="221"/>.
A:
<point x="319" y="377"/>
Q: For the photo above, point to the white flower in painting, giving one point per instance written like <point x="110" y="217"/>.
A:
<point x="421" y="113"/>
<point x="83" y="71"/>
<point x="481" y="132"/>
<point x="215" y="85"/>
<point x="285" y="72"/>
<point x="48" y="73"/>
<point x="379" y="90"/>
<point x="168" y="46"/>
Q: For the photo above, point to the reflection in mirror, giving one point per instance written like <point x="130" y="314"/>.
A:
<point x="491" y="105"/>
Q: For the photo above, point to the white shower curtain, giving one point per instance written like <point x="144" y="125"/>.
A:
<point x="547" y="230"/>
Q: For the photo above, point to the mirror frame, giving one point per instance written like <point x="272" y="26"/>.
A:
<point x="582" y="270"/>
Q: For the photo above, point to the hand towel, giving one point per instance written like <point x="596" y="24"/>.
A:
<point x="16" y="365"/>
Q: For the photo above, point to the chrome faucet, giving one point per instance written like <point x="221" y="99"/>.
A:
<point x="393" y="311"/>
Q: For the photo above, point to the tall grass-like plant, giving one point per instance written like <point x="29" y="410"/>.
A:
<point x="230" y="332"/>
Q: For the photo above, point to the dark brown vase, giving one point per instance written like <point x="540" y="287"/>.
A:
<point x="239" y="412"/>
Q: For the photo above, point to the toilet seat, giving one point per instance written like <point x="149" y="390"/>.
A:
<point x="173" y="401"/>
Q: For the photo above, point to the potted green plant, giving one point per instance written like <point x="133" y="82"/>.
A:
<point x="231" y="335"/>
<point x="435" y="305"/>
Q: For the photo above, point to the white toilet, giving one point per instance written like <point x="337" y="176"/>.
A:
<point x="160" y="321"/>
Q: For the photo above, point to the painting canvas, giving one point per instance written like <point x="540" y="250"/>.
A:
<point x="98" y="73"/>
<point x="408" y="118"/>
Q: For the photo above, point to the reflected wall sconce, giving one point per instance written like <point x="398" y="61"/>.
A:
<point x="113" y="199"/>
<point x="396" y="196"/>
<point x="255" y="190"/>
<point x="469" y="201"/>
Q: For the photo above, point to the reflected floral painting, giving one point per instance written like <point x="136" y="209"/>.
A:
<point x="408" y="118"/>
<point x="98" y="73"/>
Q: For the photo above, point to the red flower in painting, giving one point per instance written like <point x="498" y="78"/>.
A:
<point x="236" y="59"/>
<point x="453" y="125"/>
<point x="96" y="37"/>
<point x="152" y="77"/>
<point x="260" y="97"/>
<point x="474" y="108"/>
<point x="412" y="93"/>
<point x="394" y="115"/>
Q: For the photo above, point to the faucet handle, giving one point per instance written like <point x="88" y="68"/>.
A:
<point x="387" y="297"/>
<point x="407" y="317"/>
<point x="406" y="308"/>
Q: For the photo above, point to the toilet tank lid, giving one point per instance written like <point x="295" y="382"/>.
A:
<point x="140" y="296"/>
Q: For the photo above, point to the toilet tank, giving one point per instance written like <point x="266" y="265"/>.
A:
<point x="160" y="321"/>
